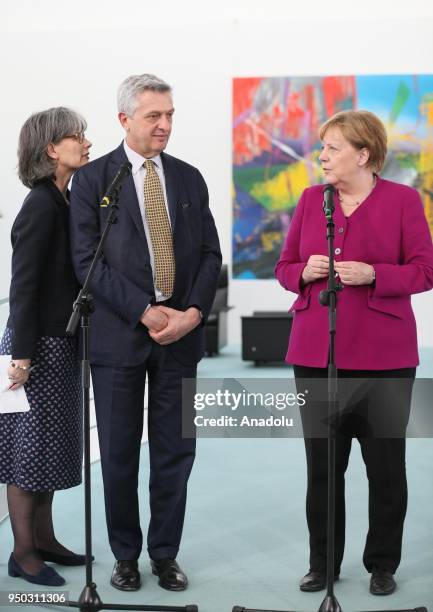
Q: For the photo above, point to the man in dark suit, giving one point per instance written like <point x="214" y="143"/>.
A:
<point x="153" y="290"/>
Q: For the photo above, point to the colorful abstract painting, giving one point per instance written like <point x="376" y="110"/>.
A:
<point x="276" y="149"/>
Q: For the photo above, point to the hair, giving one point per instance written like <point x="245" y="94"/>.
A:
<point x="132" y="86"/>
<point x="41" y="129"/>
<point x="363" y="130"/>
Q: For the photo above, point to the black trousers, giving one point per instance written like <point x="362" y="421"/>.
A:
<point x="375" y="406"/>
<point x="119" y="403"/>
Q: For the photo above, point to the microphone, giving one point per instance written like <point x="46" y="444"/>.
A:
<point x="328" y="201"/>
<point x="111" y="193"/>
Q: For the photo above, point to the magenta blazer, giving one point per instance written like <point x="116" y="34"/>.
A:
<point x="376" y="327"/>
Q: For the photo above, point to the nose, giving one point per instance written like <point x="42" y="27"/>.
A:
<point x="87" y="143"/>
<point x="164" y="123"/>
<point x="323" y="155"/>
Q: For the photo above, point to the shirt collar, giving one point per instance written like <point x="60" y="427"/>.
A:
<point x="138" y="160"/>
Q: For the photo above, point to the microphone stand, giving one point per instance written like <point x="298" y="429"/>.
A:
<point x="328" y="297"/>
<point x="89" y="600"/>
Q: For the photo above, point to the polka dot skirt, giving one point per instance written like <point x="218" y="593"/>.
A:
<point x="41" y="450"/>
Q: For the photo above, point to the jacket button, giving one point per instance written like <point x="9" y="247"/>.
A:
<point x="337" y="251"/>
<point x="340" y="230"/>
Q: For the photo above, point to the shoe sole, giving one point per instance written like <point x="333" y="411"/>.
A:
<point x="33" y="579"/>
<point x="125" y="588"/>
<point x="182" y="588"/>
<point x="307" y="589"/>
<point x="312" y="589"/>
<point x="179" y="588"/>
<point x="381" y="594"/>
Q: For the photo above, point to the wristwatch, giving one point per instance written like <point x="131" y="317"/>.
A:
<point x="28" y="368"/>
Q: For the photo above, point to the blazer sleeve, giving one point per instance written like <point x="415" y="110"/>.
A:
<point x="289" y="268"/>
<point x="206" y="281"/>
<point x="119" y="293"/>
<point x="415" y="272"/>
<point x="31" y="237"/>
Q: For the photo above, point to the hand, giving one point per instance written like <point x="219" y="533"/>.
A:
<point x="354" y="272"/>
<point x="179" y="324"/>
<point x="16" y="375"/>
<point x="317" y="267"/>
<point x="154" y="319"/>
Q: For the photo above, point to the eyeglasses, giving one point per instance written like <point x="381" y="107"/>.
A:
<point x="79" y="137"/>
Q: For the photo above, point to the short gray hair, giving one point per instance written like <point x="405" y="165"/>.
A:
<point x="132" y="86"/>
<point x="41" y="129"/>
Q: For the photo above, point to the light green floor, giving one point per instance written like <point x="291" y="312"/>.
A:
<point x="245" y="537"/>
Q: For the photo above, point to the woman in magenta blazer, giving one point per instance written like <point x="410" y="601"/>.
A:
<point x="383" y="254"/>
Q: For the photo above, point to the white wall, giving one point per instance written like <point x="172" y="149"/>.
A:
<point x="56" y="52"/>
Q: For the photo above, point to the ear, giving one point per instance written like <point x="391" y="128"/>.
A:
<point x="364" y="156"/>
<point x="124" y="120"/>
<point x="51" y="151"/>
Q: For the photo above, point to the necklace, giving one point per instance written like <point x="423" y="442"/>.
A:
<point x="358" y="202"/>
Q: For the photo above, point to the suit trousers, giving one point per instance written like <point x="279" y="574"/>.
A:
<point x="375" y="403"/>
<point x="119" y="402"/>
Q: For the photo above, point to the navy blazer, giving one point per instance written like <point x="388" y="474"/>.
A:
<point x="122" y="286"/>
<point x="43" y="285"/>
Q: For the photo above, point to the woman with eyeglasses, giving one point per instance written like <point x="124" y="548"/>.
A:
<point x="41" y="450"/>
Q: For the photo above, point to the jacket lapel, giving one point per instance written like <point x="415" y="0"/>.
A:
<point x="171" y="186"/>
<point x="128" y="196"/>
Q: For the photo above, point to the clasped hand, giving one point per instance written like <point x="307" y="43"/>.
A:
<point x="350" y="272"/>
<point x="167" y="325"/>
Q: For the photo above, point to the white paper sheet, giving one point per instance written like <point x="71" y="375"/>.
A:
<point x="10" y="401"/>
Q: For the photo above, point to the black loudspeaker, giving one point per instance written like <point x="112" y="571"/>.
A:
<point x="265" y="336"/>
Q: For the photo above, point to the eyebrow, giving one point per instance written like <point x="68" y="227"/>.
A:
<point x="159" y="112"/>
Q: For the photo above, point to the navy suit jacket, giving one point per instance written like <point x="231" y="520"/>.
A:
<point x="122" y="285"/>
<point x="43" y="286"/>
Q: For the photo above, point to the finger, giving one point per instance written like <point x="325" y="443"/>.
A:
<point x="320" y="276"/>
<point x="345" y="278"/>
<point x="320" y="269"/>
<point x="164" y="309"/>
<point x="164" y="341"/>
<point x="160" y="337"/>
<point x="154" y="334"/>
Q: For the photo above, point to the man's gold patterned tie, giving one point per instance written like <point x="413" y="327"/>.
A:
<point x="160" y="231"/>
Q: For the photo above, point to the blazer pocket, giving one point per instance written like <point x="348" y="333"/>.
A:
<point x="395" y="307"/>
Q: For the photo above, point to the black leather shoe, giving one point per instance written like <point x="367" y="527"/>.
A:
<point x="126" y="576"/>
<point x="382" y="582"/>
<point x="70" y="560"/>
<point x="171" y="577"/>
<point x="314" y="581"/>
<point x="47" y="575"/>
